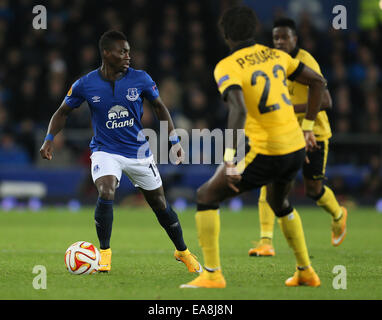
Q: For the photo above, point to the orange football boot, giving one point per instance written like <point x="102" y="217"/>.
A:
<point x="207" y="279"/>
<point x="339" y="228"/>
<point x="306" y="277"/>
<point x="189" y="260"/>
<point x="262" y="250"/>
<point x="105" y="261"/>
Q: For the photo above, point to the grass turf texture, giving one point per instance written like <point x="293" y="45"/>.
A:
<point x="143" y="267"/>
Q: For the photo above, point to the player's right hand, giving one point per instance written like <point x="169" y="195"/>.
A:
<point x="46" y="150"/>
<point x="177" y="155"/>
<point x="232" y="175"/>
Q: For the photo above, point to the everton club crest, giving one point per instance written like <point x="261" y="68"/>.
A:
<point x="132" y="94"/>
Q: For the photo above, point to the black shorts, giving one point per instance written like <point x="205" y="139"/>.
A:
<point x="265" y="169"/>
<point x="315" y="169"/>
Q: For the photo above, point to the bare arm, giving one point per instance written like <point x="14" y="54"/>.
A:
<point x="162" y="113"/>
<point x="327" y="101"/>
<point x="56" y="124"/>
<point x="316" y="84"/>
<point x="236" y="121"/>
<point x="237" y="113"/>
<point x="326" y="104"/>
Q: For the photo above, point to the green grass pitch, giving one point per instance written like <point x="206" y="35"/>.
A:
<point x="143" y="267"/>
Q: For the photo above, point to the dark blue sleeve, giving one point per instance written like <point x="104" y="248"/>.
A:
<point x="74" y="97"/>
<point x="150" y="90"/>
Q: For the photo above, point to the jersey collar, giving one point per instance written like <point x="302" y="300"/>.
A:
<point x="243" y="44"/>
<point x="119" y="78"/>
<point x="294" y="52"/>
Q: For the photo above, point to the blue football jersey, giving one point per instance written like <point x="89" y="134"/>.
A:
<point x="116" y="110"/>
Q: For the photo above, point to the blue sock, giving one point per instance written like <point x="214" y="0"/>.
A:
<point x="103" y="217"/>
<point x="168" y="219"/>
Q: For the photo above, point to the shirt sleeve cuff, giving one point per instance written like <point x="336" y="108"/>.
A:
<point x="229" y="88"/>
<point x="296" y="72"/>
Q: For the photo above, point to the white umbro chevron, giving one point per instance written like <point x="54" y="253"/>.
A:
<point x="96" y="99"/>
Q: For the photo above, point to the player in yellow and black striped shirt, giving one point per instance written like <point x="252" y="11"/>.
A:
<point x="253" y="82"/>
<point x="285" y="38"/>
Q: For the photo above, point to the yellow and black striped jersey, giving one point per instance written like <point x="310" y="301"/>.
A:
<point x="262" y="72"/>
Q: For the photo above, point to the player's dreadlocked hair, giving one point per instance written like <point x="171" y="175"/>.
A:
<point x="285" y="22"/>
<point x="239" y="23"/>
<point x="107" y="39"/>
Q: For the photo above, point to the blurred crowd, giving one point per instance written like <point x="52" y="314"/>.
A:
<point x="178" y="43"/>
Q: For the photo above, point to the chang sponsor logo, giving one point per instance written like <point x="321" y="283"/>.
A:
<point x="118" y="118"/>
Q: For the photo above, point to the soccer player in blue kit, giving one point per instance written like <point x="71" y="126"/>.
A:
<point x="115" y="93"/>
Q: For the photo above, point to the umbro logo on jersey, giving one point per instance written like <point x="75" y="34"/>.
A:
<point x="96" y="99"/>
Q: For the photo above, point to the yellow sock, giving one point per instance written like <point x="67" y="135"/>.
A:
<point x="291" y="226"/>
<point x="266" y="217"/>
<point x="329" y="202"/>
<point x="208" y="225"/>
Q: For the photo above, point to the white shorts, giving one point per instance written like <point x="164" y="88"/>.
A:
<point x="142" y="173"/>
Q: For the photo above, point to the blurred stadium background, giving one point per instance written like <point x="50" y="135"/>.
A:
<point x="178" y="44"/>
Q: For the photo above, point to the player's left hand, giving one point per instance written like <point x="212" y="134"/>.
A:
<point x="310" y="140"/>
<point x="232" y="175"/>
<point x="177" y="155"/>
<point x="46" y="150"/>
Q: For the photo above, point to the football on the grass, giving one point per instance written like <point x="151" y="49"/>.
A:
<point x="82" y="258"/>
